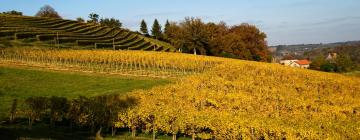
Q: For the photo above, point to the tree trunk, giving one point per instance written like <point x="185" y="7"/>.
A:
<point x="133" y="132"/>
<point x="13" y="111"/>
<point x="98" y="135"/>
<point x="30" y="122"/>
<point x="71" y="124"/>
<point x="192" y="133"/>
<point x="174" y="137"/>
<point x="113" y="131"/>
<point x="92" y="127"/>
<point x="154" y="135"/>
<point x="51" y="120"/>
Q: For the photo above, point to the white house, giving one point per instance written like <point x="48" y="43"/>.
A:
<point x="296" y="63"/>
<point x="288" y="62"/>
<point x="331" y="56"/>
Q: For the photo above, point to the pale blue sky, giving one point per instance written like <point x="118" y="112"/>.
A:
<point x="284" y="21"/>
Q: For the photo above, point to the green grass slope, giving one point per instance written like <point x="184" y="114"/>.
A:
<point x="22" y="83"/>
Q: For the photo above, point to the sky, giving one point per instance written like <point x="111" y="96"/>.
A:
<point x="284" y="21"/>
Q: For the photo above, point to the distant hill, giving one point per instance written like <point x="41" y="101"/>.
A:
<point x="52" y="32"/>
<point x="299" y="49"/>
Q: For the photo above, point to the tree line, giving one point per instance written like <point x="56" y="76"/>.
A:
<point x="94" y="113"/>
<point x="192" y="35"/>
<point x="338" y="59"/>
<point x="48" y="11"/>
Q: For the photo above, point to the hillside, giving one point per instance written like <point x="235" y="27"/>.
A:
<point x="217" y="97"/>
<point x="64" y="84"/>
<point x="300" y="49"/>
<point x="241" y="99"/>
<point x="52" y="32"/>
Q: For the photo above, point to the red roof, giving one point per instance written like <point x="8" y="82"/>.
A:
<point x="303" y="62"/>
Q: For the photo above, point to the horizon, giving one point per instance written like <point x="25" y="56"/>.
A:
<point x="284" y="22"/>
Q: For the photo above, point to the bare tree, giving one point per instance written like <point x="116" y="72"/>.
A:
<point x="47" y="11"/>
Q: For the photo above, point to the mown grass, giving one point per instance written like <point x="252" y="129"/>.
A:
<point x="161" y="43"/>
<point x="21" y="83"/>
<point x="353" y="73"/>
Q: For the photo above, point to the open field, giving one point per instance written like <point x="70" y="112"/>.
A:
<point x="24" y="82"/>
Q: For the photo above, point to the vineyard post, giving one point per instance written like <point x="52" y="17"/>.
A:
<point x="57" y="40"/>
<point x="54" y="42"/>
<point x="15" y="36"/>
<point x="114" y="43"/>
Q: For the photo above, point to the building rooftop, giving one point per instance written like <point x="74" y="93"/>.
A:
<point x="303" y="62"/>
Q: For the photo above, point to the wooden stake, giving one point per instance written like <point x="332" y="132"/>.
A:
<point x="114" y="43"/>
<point x="57" y="38"/>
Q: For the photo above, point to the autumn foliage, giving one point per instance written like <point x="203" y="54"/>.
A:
<point x="245" y="100"/>
<point x="242" y="41"/>
<point x="219" y="98"/>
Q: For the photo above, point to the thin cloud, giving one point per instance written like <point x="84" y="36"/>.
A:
<point x="333" y="21"/>
<point x="157" y="14"/>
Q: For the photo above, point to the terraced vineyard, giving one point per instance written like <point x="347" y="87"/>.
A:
<point x="57" y="32"/>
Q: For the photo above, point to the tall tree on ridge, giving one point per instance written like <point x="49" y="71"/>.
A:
<point x="166" y="29"/>
<point x="143" y="28"/>
<point x="156" y="30"/>
<point x="94" y="18"/>
<point x="47" y="11"/>
<point x="79" y="19"/>
<point x="111" y="22"/>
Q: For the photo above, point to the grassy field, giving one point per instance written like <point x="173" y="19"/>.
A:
<point x="21" y="83"/>
<point x="354" y="73"/>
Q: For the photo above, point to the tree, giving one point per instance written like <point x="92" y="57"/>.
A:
<point x="143" y="28"/>
<point x="111" y="22"/>
<point x="317" y="62"/>
<point x="327" y="67"/>
<point x="231" y="44"/>
<point x="79" y="19"/>
<point x="13" y="12"/>
<point x="37" y="106"/>
<point x="13" y="110"/>
<point x="47" y="11"/>
<point x="156" y="30"/>
<point x="343" y="63"/>
<point x="94" y="18"/>
<point x="215" y="32"/>
<point x="174" y="35"/>
<point x="59" y="106"/>
<point x="247" y="42"/>
<point x="167" y="29"/>
<point x="78" y="113"/>
<point x="194" y="35"/>
<point x="243" y="41"/>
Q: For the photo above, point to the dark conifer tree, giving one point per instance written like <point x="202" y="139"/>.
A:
<point x="156" y="30"/>
<point x="166" y="29"/>
<point x="143" y="28"/>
